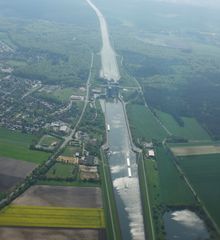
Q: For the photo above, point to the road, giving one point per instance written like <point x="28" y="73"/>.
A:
<point x="109" y="70"/>
<point x="86" y="100"/>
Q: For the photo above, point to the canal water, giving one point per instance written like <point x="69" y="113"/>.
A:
<point x="122" y="161"/>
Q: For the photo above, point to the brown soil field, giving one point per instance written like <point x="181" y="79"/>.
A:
<point x="195" y="150"/>
<point x="7" y="233"/>
<point x="7" y="182"/>
<point x="13" y="171"/>
<point x="59" y="196"/>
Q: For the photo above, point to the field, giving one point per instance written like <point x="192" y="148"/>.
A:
<point x="64" y="94"/>
<point x="47" y="140"/>
<point x="195" y="150"/>
<point x="203" y="171"/>
<point x="166" y="188"/>
<point x="50" y="234"/>
<point x="191" y="129"/>
<point x="64" y="183"/>
<point x="143" y="124"/>
<point x="71" y="150"/>
<point x="16" y="145"/>
<point x="62" y="171"/>
<point x="61" y="94"/>
<point x="58" y="196"/>
<point x="32" y="216"/>
<point x="13" y="171"/>
<point x="173" y="189"/>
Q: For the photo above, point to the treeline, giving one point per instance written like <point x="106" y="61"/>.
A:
<point x="199" y="98"/>
<point x="142" y="66"/>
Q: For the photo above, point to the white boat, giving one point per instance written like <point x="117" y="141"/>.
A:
<point x="108" y="127"/>
<point x="128" y="162"/>
<point x="129" y="172"/>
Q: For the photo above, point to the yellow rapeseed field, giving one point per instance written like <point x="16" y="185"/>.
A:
<point x="52" y="217"/>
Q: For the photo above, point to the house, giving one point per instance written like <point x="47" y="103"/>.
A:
<point x="64" y="129"/>
<point x="77" y="154"/>
<point x="151" y="153"/>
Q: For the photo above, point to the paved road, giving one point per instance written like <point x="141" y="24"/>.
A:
<point x="109" y="70"/>
<point x="69" y="138"/>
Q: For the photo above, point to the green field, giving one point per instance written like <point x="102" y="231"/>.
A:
<point x="24" y="216"/>
<point x="47" y="140"/>
<point x="166" y="188"/>
<point x="71" y="150"/>
<point x="62" y="170"/>
<point x="143" y="124"/>
<point x="190" y="130"/>
<point x="16" y="145"/>
<point x="53" y="182"/>
<point x="173" y="188"/>
<point x="204" y="174"/>
<point x="63" y="94"/>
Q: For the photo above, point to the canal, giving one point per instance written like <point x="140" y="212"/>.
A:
<point x="122" y="161"/>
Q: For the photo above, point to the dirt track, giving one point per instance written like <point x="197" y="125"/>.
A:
<point x="13" y="171"/>
<point x="50" y="234"/>
<point x="83" y="197"/>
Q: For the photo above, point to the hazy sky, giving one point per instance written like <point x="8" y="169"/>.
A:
<point x="211" y="3"/>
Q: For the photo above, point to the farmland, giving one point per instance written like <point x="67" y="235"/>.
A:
<point x="13" y="172"/>
<point x="16" y="145"/>
<point x="143" y="124"/>
<point x="71" y="150"/>
<point x="190" y="128"/>
<point x="23" y="233"/>
<point x="203" y="171"/>
<point x="52" y="217"/>
<point x="62" y="94"/>
<point x="47" y="140"/>
<point x="82" y="197"/>
<point x="166" y="188"/>
<point x="62" y="171"/>
<point x="195" y="150"/>
<point x="173" y="189"/>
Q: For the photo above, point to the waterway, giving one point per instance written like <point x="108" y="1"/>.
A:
<point x="109" y="70"/>
<point x="122" y="161"/>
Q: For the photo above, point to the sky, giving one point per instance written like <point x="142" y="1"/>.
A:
<point x="205" y="3"/>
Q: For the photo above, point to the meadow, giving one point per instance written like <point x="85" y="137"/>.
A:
<point x="143" y="124"/>
<point x="29" y="216"/>
<point x="62" y="171"/>
<point x="71" y="150"/>
<point x="173" y="188"/>
<point x="203" y="172"/>
<point x="190" y="128"/>
<point x="166" y="188"/>
<point x="16" y="145"/>
<point x="48" y="140"/>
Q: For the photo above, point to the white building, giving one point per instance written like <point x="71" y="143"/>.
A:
<point x="151" y="153"/>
